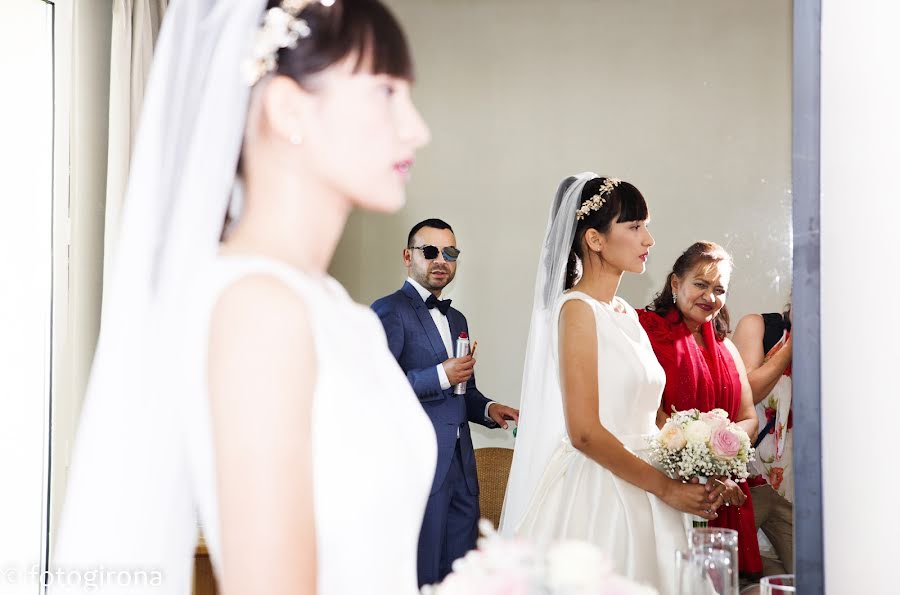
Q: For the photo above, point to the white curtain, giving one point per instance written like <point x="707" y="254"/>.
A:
<point x="135" y="27"/>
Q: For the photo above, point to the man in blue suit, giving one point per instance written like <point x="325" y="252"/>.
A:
<point x="421" y="331"/>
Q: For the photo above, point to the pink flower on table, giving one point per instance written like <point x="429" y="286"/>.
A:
<point x="724" y="443"/>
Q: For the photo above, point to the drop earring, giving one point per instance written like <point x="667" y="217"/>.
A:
<point x="674" y="299"/>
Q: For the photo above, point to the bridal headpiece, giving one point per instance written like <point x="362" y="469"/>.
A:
<point x="282" y="27"/>
<point x="597" y="201"/>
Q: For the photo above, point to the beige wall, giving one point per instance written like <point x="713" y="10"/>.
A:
<point x="690" y="101"/>
<point x="860" y="211"/>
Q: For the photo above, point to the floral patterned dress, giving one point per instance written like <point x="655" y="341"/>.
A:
<point x="773" y="464"/>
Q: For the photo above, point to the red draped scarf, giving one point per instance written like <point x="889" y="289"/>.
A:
<point x="704" y="379"/>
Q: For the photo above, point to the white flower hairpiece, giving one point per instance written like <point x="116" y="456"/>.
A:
<point x="595" y="202"/>
<point x="281" y="28"/>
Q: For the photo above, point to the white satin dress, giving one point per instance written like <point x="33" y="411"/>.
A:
<point x="577" y="498"/>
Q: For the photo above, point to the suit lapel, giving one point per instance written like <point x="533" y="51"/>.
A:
<point x="455" y="326"/>
<point x="431" y="331"/>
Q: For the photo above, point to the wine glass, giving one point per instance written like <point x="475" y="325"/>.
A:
<point x="704" y="571"/>
<point x="721" y="539"/>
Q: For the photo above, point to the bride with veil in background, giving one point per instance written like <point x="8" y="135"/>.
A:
<point x="591" y="393"/>
<point x="235" y="383"/>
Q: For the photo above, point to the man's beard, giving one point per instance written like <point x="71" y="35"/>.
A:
<point x="437" y="284"/>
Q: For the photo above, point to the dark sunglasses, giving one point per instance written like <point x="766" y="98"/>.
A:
<point x="451" y="253"/>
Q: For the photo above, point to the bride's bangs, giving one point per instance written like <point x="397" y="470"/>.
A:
<point x="378" y="42"/>
<point x="632" y="206"/>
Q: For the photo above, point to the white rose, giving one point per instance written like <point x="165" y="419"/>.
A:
<point x="576" y="566"/>
<point x="697" y="432"/>
<point x="672" y="436"/>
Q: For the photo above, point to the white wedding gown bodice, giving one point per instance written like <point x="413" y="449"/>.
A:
<point x="576" y="498"/>
<point x="374" y="449"/>
<point x="374" y="454"/>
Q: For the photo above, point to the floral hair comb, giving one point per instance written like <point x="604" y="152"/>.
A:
<point x="595" y="202"/>
<point x="282" y="27"/>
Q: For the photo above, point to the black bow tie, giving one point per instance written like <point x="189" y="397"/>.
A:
<point x="442" y="305"/>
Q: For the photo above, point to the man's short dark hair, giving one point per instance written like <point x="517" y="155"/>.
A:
<point x="435" y="223"/>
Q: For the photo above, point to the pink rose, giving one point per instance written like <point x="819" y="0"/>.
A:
<point x="714" y="420"/>
<point x="724" y="444"/>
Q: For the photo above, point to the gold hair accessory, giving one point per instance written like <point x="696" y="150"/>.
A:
<point x="595" y="202"/>
<point x="281" y="28"/>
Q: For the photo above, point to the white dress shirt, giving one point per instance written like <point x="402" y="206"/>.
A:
<point x="443" y="327"/>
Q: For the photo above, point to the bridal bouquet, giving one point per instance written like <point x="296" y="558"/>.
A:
<point x="516" y="567"/>
<point x="694" y="444"/>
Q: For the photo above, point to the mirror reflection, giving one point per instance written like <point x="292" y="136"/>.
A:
<point x="690" y="103"/>
<point x="598" y="232"/>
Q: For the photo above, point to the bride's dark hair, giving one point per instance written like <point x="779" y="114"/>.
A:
<point x="362" y="30"/>
<point x="624" y="203"/>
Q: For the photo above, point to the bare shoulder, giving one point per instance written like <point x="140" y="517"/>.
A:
<point x="750" y="325"/>
<point x="577" y="326"/>
<point x="263" y="302"/>
<point x="575" y="312"/>
<point x="260" y="331"/>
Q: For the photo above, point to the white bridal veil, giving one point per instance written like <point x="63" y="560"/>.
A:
<point x="128" y="485"/>
<point x="541" y="422"/>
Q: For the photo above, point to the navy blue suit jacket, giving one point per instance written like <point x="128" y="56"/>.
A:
<point x="414" y="340"/>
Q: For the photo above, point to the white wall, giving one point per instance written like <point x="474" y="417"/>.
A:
<point x="26" y="169"/>
<point x="860" y="285"/>
<point x="690" y="101"/>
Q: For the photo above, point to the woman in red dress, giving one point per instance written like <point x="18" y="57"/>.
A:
<point x="687" y="324"/>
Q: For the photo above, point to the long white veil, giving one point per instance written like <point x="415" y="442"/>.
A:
<point x="541" y="422"/>
<point x="127" y="481"/>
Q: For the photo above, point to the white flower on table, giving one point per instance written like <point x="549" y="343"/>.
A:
<point x="518" y="567"/>
<point x="576" y="565"/>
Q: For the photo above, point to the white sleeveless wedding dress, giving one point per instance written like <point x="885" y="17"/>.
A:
<point x="576" y="498"/>
<point x="374" y="455"/>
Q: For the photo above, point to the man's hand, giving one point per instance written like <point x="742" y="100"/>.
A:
<point x="501" y="413"/>
<point x="459" y="369"/>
